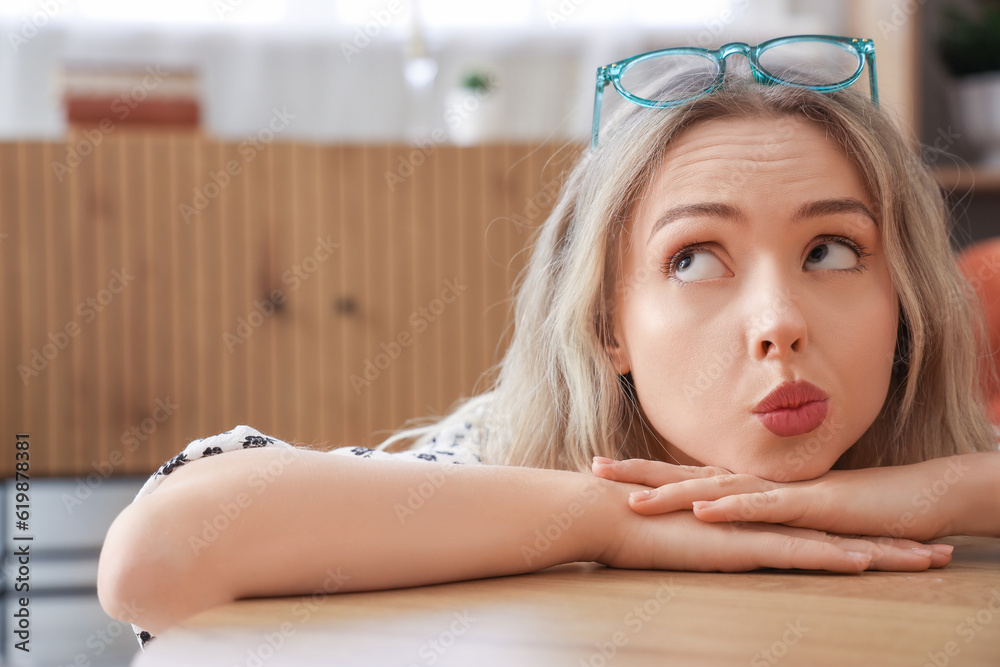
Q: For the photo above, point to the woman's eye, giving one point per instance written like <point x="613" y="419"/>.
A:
<point x="700" y="265"/>
<point x="831" y="255"/>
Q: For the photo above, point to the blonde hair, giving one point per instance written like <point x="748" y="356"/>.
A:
<point x="556" y="401"/>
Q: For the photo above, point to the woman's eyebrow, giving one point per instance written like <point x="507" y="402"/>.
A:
<point x="700" y="210"/>
<point x="817" y="209"/>
<point x="813" y="209"/>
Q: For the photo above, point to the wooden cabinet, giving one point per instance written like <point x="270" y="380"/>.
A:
<point x="165" y="287"/>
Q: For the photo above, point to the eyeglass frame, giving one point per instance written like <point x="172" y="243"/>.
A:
<point x="612" y="73"/>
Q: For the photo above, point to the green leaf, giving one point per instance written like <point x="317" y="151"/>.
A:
<point x="970" y="39"/>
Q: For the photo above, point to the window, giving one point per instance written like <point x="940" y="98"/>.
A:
<point x="394" y="15"/>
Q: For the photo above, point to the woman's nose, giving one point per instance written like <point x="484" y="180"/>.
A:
<point x="776" y="327"/>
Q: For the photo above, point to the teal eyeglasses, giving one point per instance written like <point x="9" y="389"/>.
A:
<point x="669" y="77"/>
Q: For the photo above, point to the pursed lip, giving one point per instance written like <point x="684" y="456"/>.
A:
<point x="790" y="395"/>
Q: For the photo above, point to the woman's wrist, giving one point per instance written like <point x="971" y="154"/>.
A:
<point x="976" y="480"/>
<point x="605" y="518"/>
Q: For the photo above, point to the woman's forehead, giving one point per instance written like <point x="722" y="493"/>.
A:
<point x="756" y="140"/>
<point x="736" y="158"/>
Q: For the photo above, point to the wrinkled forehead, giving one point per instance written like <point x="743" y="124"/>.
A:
<point x="735" y="150"/>
<point x="759" y="164"/>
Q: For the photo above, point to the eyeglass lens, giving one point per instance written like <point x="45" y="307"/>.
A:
<point x="672" y="77"/>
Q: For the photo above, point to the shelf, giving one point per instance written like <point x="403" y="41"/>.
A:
<point x="966" y="178"/>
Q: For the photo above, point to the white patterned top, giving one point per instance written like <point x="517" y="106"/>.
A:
<point x="452" y="444"/>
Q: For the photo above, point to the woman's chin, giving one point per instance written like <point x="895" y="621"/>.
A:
<point x="780" y="470"/>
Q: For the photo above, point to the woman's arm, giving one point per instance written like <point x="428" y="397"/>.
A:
<point x="977" y="506"/>
<point x="263" y="522"/>
<point x="954" y="495"/>
<point x="266" y="522"/>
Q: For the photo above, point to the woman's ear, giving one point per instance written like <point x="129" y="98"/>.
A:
<point x="617" y="352"/>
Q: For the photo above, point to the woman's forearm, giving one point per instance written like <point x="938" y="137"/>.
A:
<point x="282" y="522"/>
<point x="976" y="478"/>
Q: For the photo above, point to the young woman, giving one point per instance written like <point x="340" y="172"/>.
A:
<point x="745" y="294"/>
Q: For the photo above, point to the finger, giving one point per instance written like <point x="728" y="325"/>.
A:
<point x="650" y="473"/>
<point x="788" y="551"/>
<point x="683" y="495"/>
<point x="771" y="505"/>
<point x="942" y="554"/>
<point x="887" y="554"/>
<point x="792" y="507"/>
<point x="897" y="555"/>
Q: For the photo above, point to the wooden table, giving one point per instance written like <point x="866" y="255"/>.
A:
<point x="584" y="614"/>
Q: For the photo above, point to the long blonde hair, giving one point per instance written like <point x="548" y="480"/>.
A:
<point x="556" y="401"/>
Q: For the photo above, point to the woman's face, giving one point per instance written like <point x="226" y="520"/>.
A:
<point x="754" y="261"/>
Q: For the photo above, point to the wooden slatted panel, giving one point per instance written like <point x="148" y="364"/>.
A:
<point x="206" y="233"/>
<point x="240" y="231"/>
<point x="351" y="290"/>
<point x="10" y="339"/>
<point x="451" y="260"/>
<point x="163" y="229"/>
<point x="286" y="249"/>
<point x="402" y="271"/>
<point x="132" y="373"/>
<point x="30" y="247"/>
<point x="379" y="254"/>
<point x="189" y="343"/>
<point x="331" y="366"/>
<point x="143" y="309"/>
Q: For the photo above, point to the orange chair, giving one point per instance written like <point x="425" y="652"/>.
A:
<point x="980" y="263"/>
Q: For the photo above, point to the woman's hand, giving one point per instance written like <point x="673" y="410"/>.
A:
<point x="920" y="501"/>
<point x="676" y="540"/>
<point x="679" y="541"/>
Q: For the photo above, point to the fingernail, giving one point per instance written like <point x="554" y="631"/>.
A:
<point x="944" y="549"/>
<point x="859" y="557"/>
<point x="920" y="551"/>
<point x="604" y="460"/>
<point x="639" y="496"/>
<point x="702" y="504"/>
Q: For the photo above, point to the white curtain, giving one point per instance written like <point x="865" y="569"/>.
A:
<point x="341" y="76"/>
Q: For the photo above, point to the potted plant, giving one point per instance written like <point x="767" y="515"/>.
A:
<point x="472" y="111"/>
<point x="970" y="49"/>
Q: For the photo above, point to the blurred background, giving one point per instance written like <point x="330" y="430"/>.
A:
<point x="306" y="216"/>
